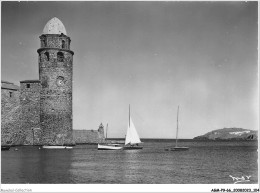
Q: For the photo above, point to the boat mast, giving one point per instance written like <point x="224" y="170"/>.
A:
<point x="106" y="130"/>
<point x="129" y="115"/>
<point x="177" y="126"/>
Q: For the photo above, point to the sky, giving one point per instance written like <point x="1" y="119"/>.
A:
<point x="154" y="56"/>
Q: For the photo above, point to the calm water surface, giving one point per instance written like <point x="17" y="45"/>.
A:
<point x="204" y="163"/>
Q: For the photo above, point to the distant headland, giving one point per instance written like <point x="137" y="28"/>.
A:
<point x="229" y="134"/>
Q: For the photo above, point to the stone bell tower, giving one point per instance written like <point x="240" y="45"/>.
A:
<point x="55" y="74"/>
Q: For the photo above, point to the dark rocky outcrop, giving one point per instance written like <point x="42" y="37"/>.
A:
<point x="229" y="134"/>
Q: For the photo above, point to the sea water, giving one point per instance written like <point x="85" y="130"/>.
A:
<point x="204" y="163"/>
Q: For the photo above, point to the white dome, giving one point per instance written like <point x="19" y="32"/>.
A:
<point x="54" y="26"/>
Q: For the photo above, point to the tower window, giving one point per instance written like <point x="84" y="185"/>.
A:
<point x="47" y="55"/>
<point x="63" y="44"/>
<point x="28" y="85"/>
<point x="44" y="82"/>
<point x="44" y="43"/>
<point x="60" y="57"/>
<point x="10" y="94"/>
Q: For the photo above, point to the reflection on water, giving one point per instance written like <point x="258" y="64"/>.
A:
<point x="205" y="162"/>
<point x="31" y="165"/>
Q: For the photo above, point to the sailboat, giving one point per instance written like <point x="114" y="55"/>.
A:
<point x="177" y="148"/>
<point x="132" y="139"/>
<point x="109" y="146"/>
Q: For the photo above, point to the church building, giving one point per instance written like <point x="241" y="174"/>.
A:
<point x="40" y="111"/>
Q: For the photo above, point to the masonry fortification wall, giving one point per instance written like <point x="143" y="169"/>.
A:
<point x="30" y="110"/>
<point x="10" y="112"/>
<point x="20" y="118"/>
<point x="89" y="136"/>
<point x="9" y="97"/>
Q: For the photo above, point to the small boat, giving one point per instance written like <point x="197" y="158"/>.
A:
<point x="5" y="147"/>
<point x="132" y="139"/>
<point x="176" y="148"/>
<point x="109" y="146"/>
<point x="56" y="147"/>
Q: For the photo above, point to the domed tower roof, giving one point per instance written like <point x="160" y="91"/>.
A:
<point x="54" y="26"/>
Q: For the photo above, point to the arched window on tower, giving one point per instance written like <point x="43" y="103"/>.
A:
<point x="60" y="57"/>
<point x="47" y="56"/>
<point x="44" y="43"/>
<point x="63" y="44"/>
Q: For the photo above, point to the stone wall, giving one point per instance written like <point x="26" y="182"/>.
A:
<point x="10" y="112"/>
<point x="10" y="128"/>
<point x="89" y="136"/>
<point x="37" y="133"/>
<point x="9" y="97"/>
<point x="30" y="107"/>
<point x="20" y="118"/>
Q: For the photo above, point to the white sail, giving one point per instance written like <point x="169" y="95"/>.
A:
<point x="132" y="135"/>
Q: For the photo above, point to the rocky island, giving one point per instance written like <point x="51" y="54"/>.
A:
<point x="229" y="134"/>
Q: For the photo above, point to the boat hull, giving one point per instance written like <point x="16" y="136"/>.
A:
<point x="56" y="147"/>
<point x="109" y="147"/>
